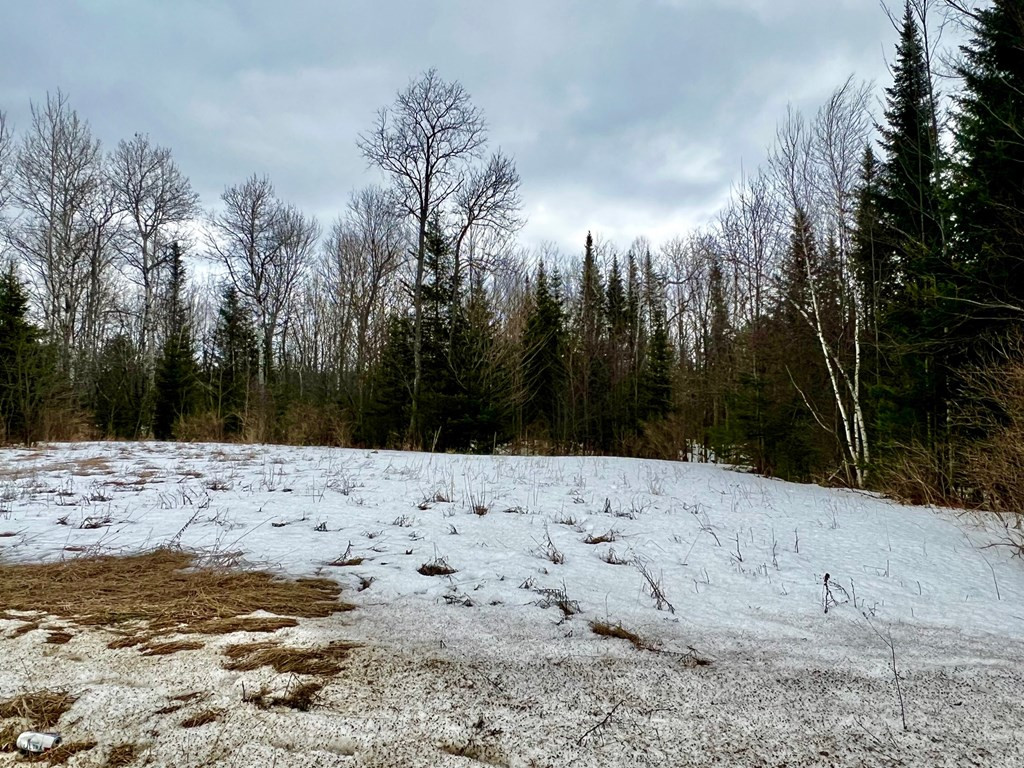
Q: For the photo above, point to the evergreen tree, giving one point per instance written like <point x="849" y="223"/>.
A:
<point x="28" y="375"/>
<point x="390" y="391"/>
<point x="909" y="251"/>
<point x="442" y="322"/>
<point x="120" y="385"/>
<point x="780" y="403"/>
<point x="478" y="412"/>
<point x="542" y="357"/>
<point x="176" y="369"/>
<point x="234" y="362"/>
<point x="657" y="381"/>
<point x="988" y="200"/>
<point x="592" y="386"/>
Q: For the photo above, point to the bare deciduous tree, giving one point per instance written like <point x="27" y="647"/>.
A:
<point x="424" y="143"/>
<point x="57" y="172"/>
<point x="6" y="159"/>
<point x="362" y="258"/>
<point x="489" y="201"/>
<point x="816" y="167"/>
<point x="154" y="196"/>
<point x="264" y="245"/>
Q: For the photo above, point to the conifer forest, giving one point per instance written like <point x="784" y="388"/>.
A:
<point x="853" y="315"/>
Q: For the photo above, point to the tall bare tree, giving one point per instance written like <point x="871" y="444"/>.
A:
<point x="362" y="259"/>
<point x="57" y="172"/>
<point x="489" y="202"/>
<point x="154" y="197"/>
<point x="6" y="160"/>
<point x="264" y="244"/>
<point x="816" y="166"/>
<point x="425" y="143"/>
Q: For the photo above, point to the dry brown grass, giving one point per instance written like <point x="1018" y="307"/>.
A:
<point x="121" y="755"/>
<point x="243" y="624"/>
<point x="205" y="717"/>
<point x="324" y="661"/>
<point x="163" y="589"/>
<point x="301" y="696"/>
<point x="84" y="467"/>
<point x="173" y="646"/>
<point x="8" y="736"/>
<point x="350" y="561"/>
<point x="58" y="637"/>
<point x="24" y="629"/>
<point x="128" y="641"/>
<point x="604" y="538"/>
<point x="607" y="629"/>
<point x="437" y="567"/>
<point x="60" y="755"/>
<point x="43" y="709"/>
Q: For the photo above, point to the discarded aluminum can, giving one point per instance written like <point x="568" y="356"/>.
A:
<point x="36" y="742"/>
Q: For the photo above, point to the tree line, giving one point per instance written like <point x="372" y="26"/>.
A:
<point x="853" y="315"/>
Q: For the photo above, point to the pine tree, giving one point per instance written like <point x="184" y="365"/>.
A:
<point x="176" y="369"/>
<point x="235" y="360"/>
<point x="908" y="246"/>
<point x="390" y="391"/>
<point x="478" y="411"/>
<point x="988" y="199"/>
<point x="120" y="390"/>
<point x="28" y="378"/>
<point x="542" y="357"/>
<point x="442" y="322"/>
<point x="592" y="385"/>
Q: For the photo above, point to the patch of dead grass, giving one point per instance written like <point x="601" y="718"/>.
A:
<point x="173" y="646"/>
<point x="121" y="755"/>
<point x="43" y="709"/>
<point x="607" y="629"/>
<point x="9" y="736"/>
<point x="604" y="538"/>
<point x="61" y="754"/>
<point x="243" y="624"/>
<point x="58" y="637"/>
<point x="163" y="588"/>
<point x="300" y="696"/>
<point x="437" y="567"/>
<point x="205" y="717"/>
<point x="323" y="661"/>
<point x="24" y="629"/>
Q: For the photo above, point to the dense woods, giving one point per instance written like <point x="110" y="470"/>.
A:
<point x="852" y="316"/>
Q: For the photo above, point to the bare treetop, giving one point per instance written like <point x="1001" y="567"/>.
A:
<point x="424" y="140"/>
<point x="6" y="152"/>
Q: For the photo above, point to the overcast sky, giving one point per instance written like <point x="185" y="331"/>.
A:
<point x="625" y="117"/>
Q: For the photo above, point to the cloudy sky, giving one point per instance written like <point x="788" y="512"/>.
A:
<point x="626" y="117"/>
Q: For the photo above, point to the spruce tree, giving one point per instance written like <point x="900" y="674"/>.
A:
<point x="593" y="384"/>
<point x="28" y="375"/>
<point x="235" y="360"/>
<point x="908" y="246"/>
<point x="390" y="388"/>
<point x="542" y="358"/>
<point x="988" y="199"/>
<point x="176" y="369"/>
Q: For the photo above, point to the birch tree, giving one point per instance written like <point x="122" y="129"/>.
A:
<point x="816" y="167"/>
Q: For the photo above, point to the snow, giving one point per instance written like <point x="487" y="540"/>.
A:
<point x="471" y="669"/>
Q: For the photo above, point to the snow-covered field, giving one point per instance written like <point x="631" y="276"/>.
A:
<point x="484" y="666"/>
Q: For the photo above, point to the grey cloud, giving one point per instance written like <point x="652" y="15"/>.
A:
<point x="627" y="116"/>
